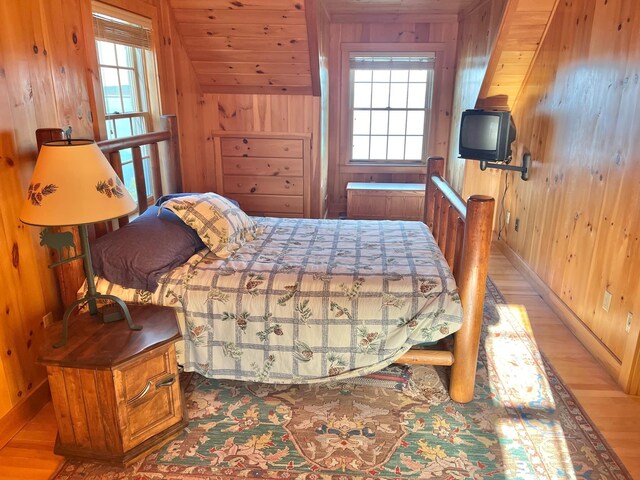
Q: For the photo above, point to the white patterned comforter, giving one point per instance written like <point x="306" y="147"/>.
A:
<point x="309" y="300"/>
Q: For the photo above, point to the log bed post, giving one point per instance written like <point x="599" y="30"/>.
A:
<point x="471" y="281"/>
<point x="463" y="233"/>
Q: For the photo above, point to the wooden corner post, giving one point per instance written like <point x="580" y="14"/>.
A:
<point x="471" y="283"/>
<point x="435" y="167"/>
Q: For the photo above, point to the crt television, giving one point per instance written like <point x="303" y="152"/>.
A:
<point x="486" y="135"/>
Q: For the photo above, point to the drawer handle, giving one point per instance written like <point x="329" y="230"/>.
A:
<point x="167" y="382"/>
<point x="140" y="395"/>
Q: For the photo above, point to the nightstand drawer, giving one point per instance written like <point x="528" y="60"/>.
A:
<point x="151" y="393"/>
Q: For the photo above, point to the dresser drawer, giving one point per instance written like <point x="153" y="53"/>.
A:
<point x="261" y="147"/>
<point x="263" y="166"/>
<point x="260" y="204"/>
<point x="263" y="185"/>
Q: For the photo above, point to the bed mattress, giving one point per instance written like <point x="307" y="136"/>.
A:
<point x="309" y="300"/>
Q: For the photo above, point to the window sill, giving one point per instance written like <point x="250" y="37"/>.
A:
<point x="383" y="168"/>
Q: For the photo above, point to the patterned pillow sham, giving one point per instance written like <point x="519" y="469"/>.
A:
<point x="221" y="225"/>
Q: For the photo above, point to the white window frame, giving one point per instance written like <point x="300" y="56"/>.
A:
<point x="346" y="112"/>
<point x="145" y="89"/>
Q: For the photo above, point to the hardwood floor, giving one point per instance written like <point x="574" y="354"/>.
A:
<point x="29" y="455"/>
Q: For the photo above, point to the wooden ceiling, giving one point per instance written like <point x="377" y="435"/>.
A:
<point x="390" y="10"/>
<point x="263" y="46"/>
<point x="246" y="46"/>
<point x="270" y="46"/>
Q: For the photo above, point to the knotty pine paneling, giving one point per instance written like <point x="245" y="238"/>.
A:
<point x="46" y="81"/>
<point x="42" y="84"/>
<point x="258" y="113"/>
<point x="579" y="115"/>
<point x="388" y="33"/>
<point x="477" y="33"/>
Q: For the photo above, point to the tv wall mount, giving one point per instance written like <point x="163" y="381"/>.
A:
<point x="523" y="169"/>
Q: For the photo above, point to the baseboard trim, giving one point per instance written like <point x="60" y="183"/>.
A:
<point x="16" y="418"/>
<point x="590" y="341"/>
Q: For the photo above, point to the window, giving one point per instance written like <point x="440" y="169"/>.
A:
<point x="391" y="97"/>
<point x="125" y="60"/>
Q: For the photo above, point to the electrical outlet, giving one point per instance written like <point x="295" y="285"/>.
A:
<point x="606" y="300"/>
<point x="507" y="217"/>
<point x="516" y="225"/>
<point x="627" y="326"/>
<point x="47" y="320"/>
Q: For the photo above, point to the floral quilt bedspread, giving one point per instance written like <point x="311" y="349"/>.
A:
<point x="310" y="299"/>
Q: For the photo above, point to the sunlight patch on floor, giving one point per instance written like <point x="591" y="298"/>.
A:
<point x="528" y="398"/>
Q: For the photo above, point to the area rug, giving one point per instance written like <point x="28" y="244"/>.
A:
<point x="522" y="424"/>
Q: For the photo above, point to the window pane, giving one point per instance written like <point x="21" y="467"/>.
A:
<point x="398" y="95"/>
<point x="139" y="125"/>
<point x="127" y="83"/>
<point x="379" y="122"/>
<point x="362" y="95"/>
<point x="378" y="148"/>
<point x="413" y="148"/>
<point x="125" y="58"/>
<point x="361" y="121"/>
<point x="111" y="130"/>
<point x="146" y="163"/>
<point x="396" y="147"/>
<point x="418" y="76"/>
<point x="380" y="97"/>
<point x="126" y="155"/>
<point x="400" y="76"/>
<point x="362" y="75"/>
<point x="106" y="53"/>
<point x="397" y="122"/>
<point x="415" y="123"/>
<point x="417" y="93"/>
<point x="111" y="90"/>
<point x="360" y="147"/>
<point x="129" y="178"/>
<point x="123" y="127"/>
<point x="381" y="75"/>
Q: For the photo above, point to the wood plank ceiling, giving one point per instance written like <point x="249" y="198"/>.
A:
<point x="246" y="46"/>
<point x="263" y="46"/>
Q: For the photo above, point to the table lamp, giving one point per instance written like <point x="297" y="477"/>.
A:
<point x="74" y="184"/>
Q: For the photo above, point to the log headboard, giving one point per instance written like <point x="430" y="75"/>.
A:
<point x="165" y="178"/>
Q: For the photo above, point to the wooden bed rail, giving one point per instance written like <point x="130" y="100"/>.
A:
<point x="71" y="275"/>
<point x="463" y="233"/>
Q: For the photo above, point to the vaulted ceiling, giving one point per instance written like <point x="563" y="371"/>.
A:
<point x="270" y="46"/>
<point x="263" y="46"/>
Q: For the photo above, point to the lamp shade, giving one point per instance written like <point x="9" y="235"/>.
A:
<point x="73" y="184"/>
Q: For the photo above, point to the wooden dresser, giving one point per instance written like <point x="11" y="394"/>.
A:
<point x="116" y="392"/>
<point x="267" y="173"/>
<point x="385" y="201"/>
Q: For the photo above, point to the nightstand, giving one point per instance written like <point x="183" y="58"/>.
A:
<point x="116" y="392"/>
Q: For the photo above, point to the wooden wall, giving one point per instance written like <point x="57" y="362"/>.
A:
<point x="579" y="214"/>
<point x="476" y="36"/>
<point x="42" y="84"/>
<point x="256" y="113"/>
<point x="47" y="80"/>
<point x="340" y="173"/>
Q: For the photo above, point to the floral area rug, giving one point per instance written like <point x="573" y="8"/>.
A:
<point x="522" y="424"/>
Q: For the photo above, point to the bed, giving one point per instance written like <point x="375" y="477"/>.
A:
<point x="311" y="300"/>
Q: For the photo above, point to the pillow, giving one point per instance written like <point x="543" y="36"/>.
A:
<point x="169" y="196"/>
<point x="221" y="225"/>
<point x="136" y="255"/>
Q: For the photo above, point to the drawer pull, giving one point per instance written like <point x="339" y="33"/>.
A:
<point x="140" y="395"/>
<point x="167" y="382"/>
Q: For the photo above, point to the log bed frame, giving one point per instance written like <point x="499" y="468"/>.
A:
<point x="462" y="230"/>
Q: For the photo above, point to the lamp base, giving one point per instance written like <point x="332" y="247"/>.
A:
<point x="111" y="313"/>
<point x="118" y="310"/>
